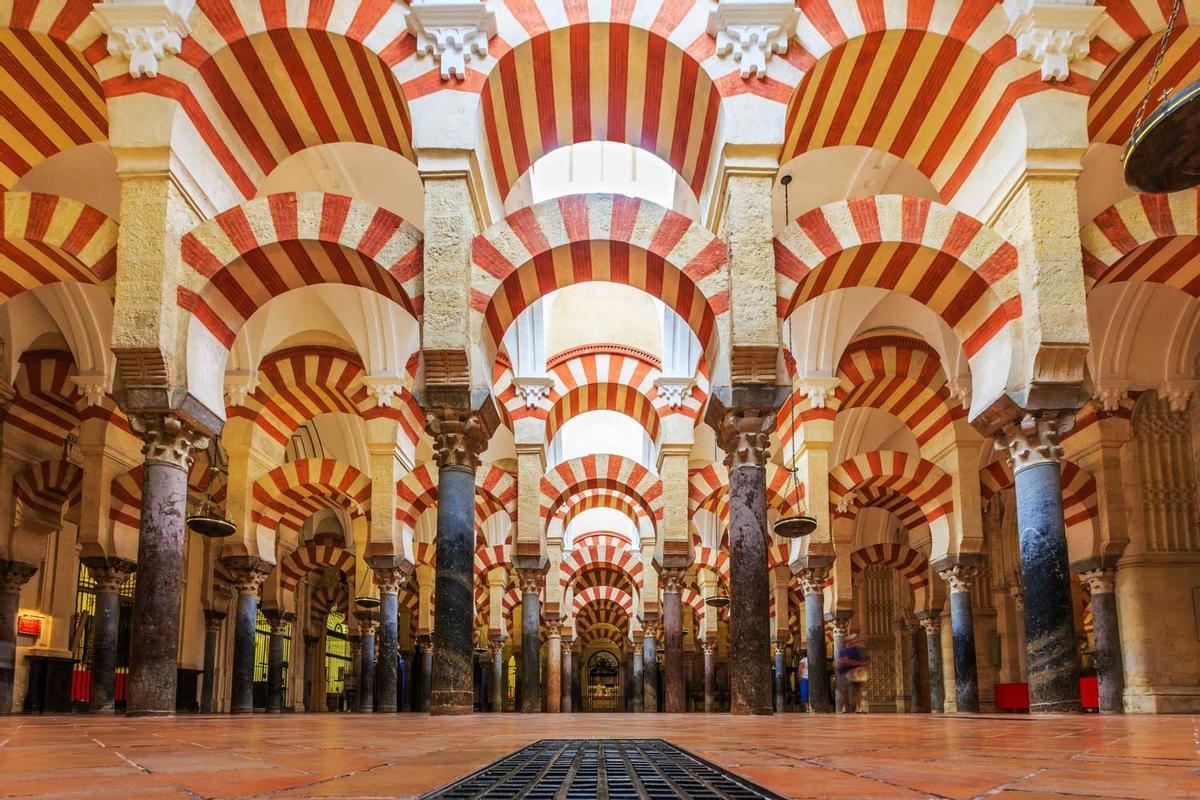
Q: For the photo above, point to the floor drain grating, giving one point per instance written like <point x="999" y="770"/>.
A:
<point x="602" y="769"/>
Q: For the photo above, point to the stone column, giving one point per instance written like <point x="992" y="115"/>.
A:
<point x="1018" y="598"/>
<point x="780" y="684"/>
<point x="427" y="675"/>
<point x="637" y="689"/>
<point x="710" y="677"/>
<point x="458" y="439"/>
<point x="531" y="581"/>
<point x="13" y="575"/>
<point x="812" y="581"/>
<point x="962" y="625"/>
<point x="310" y="657"/>
<point x="366" y="684"/>
<point x="554" y="675"/>
<point x="109" y="575"/>
<point x="744" y="435"/>
<point x="672" y="631"/>
<point x="839" y="625"/>
<point x="279" y="623"/>
<point x="356" y="666"/>
<point x="249" y="573"/>
<point x="498" y="681"/>
<point x="212" y="629"/>
<point x="931" y="624"/>
<point x="916" y="692"/>
<point x="650" y="667"/>
<point x="568" y="672"/>
<point x="1110" y="674"/>
<point x="1051" y="654"/>
<point x="154" y="641"/>
<point x="390" y="578"/>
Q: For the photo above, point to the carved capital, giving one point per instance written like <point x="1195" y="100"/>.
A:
<point x="144" y="32"/>
<point x="553" y="628"/>
<point x="931" y="623"/>
<point x="752" y="31"/>
<point x="652" y="629"/>
<point x="671" y="579"/>
<point x="709" y="648"/>
<point x="311" y="639"/>
<point x="1035" y="438"/>
<point x="497" y="646"/>
<point x="458" y="436"/>
<point x="959" y="576"/>
<point x="812" y="579"/>
<point x="212" y="620"/>
<point x="745" y="436"/>
<point x="452" y="31"/>
<point x="390" y="580"/>
<point x="279" y="620"/>
<point x="531" y="581"/>
<point x="1177" y="393"/>
<point x="1099" y="581"/>
<point x="168" y="440"/>
<point x="14" y="575"/>
<point x="109" y="574"/>
<point x="248" y="573"/>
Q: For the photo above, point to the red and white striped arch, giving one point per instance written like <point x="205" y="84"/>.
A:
<point x="713" y="559"/>
<point x="313" y="556"/>
<point x="908" y="562"/>
<point x="487" y="558"/>
<point x="50" y="98"/>
<point x="49" y="487"/>
<point x="590" y="499"/>
<point x="955" y="265"/>
<point x="50" y="239"/>
<point x="599" y="82"/>
<point x="1147" y="237"/>
<point x="47" y="402"/>
<point x="1081" y="503"/>
<point x="617" y="397"/>
<point x="292" y="492"/>
<point x="902" y="377"/>
<point x="602" y="471"/>
<point x="300" y="383"/>
<point x="125" y="510"/>
<point x="598" y="237"/>
<point x="603" y="552"/>
<point x="495" y="491"/>
<point x="252" y="253"/>
<point x="693" y="600"/>
<point x="326" y="598"/>
<point x="600" y="619"/>
<point x="594" y="594"/>
<point x="588" y="537"/>
<point x="878" y="475"/>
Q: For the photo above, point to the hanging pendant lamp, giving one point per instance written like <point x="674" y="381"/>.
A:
<point x="364" y="599"/>
<point x="208" y="520"/>
<point x="1163" y="153"/>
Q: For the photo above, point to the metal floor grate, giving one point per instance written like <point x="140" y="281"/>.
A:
<point x="602" y="769"/>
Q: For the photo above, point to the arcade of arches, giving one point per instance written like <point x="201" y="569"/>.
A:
<point x="504" y="339"/>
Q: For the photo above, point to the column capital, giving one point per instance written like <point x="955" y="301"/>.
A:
<point x="671" y="579"/>
<point x="311" y="639"/>
<point x="930" y="622"/>
<point x="168" y="439"/>
<point x="652" y="628"/>
<point x="812" y="579"/>
<point x="459" y="435"/>
<point x="14" y="575"/>
<point x="531" y="581"/>
<point x="959" y="576"/>
<point x="248" y="572"/>
<point x="745" y="436"/>
<point x="213" y="618"/>
<point x="1017" y="593"/>
<point x="390" y="579"/>
<point x="553" y="627"/>
<point x="1099" y="581"/>
<point x="279" y="620"/>
<point x="109" y="573"/>
<point x="839" y="624"/>
<point x="496" y="645"/>
<point x="1035" y="438"/>
<point x="709" y="648"/>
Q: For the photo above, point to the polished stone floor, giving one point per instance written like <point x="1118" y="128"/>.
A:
<point x="402" y="755"/>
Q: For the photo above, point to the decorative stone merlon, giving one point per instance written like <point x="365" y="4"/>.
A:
<point x="752" y="31"/>
<point x="674" y="390"/>
<point x="1110" y="393"/>
<point x="818" y="390"/>
<point x="95" y="387"/>
<point x="384" y="388"/>
<point x="451" y="31"/>
<point x="144" y="31"/>
<point x="532" y="390"/>
<point x="1035" y="438"/>
<point x="1053" y="33"/>
<point x="1178" y="393"/>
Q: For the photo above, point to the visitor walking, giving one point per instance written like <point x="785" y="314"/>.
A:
<point x="852" y="663"/>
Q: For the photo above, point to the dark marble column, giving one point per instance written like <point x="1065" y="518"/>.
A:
<point x="672" y="631"/>
<point x="744" y="436"/>
<point x="554" y="675"/>
<point x="212" y="629"/>
<point x="390" y="578"/>
<point x="962" y="625"/>
<point x="916" y="692"/>
<point x="427" y="676"/>
<point x="13" y="575"/>
<point x="650" y="667"/>
<point x="1110" y="674"/>
<point x="154" y="641"/>
<point x="710" y="677"/>
<point x="531" y="614"/>
<point x="366" y="684"/>
<point x="568" y="675"/>
<point x="1052" y="657"/>
<point x="458" y="438"/>
<point x="310" y="657"/>
<point x="279" y="622"/>
<point x="780" y="685"/>
<point x="498" y="682"/>
<point x="931" y="624"/>
<point x="249" y="573"/>
<point x="638" y="676"/>
<point x="109" y="574"/>
<point x="812" y="581"/>
<point x="354" y="674"/>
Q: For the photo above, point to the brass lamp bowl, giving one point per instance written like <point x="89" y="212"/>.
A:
<point x="795" y="527"/>
<point x="1163" y="154"/>
<point x="367" y="601"/>
<point x="211" y="526"/>
<point x="717" y="601"/>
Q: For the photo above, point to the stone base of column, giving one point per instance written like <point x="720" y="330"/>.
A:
<point x="451" y="703"/>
